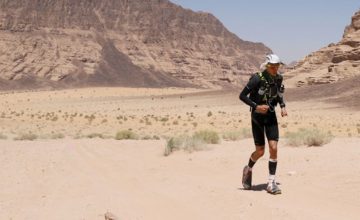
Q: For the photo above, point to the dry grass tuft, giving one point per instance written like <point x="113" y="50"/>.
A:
<point x="237" y="135"/>
<point x="126" y="135"/>
<point x="208" y="136"/>
<point x="308" y="137"/>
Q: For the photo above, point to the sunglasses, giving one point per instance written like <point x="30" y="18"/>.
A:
<point x="274" y="65"/>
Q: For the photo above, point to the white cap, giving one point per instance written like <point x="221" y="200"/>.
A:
<point x="273" y="59"/>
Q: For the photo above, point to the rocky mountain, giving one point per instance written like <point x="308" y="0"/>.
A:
<point x="336" y="62"/>
<point x="152" y="43"/>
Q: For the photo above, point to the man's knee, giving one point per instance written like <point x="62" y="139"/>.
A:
<point x="273" y="145"/>
<point x="260" y="151"/>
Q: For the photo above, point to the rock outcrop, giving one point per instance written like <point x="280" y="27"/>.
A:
<point x="57" y="43"/>
<point x="332" y="63"/>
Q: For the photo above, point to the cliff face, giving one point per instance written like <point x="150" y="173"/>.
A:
<point x="333" y="63"/>
<point x="118" y="42"/>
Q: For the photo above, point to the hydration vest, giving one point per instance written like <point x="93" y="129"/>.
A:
<point x="270" y="89"/>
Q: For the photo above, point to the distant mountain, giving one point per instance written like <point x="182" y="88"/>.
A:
<point x="147" y="43"/>
<point x="292" y="64"/>
<point x="336" y="62"/>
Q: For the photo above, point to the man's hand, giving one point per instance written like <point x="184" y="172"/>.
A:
<point x="262" y="109"/>
<point x="283" y="112"/>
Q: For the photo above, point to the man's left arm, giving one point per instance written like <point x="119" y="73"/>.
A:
<point x="281" y="97"/>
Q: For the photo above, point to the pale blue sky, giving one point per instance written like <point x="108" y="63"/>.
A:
<point x="291" y="28"/>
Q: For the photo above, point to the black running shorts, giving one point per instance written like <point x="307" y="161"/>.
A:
<point x="264" y="123"/>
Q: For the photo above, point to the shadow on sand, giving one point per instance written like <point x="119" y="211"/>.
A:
<point x="258" y="187"/>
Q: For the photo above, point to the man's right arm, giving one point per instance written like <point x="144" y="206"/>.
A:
<point x="244" y="97"/>
<point x="253" y="82"/>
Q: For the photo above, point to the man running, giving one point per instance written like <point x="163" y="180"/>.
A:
<point x="266" y="91"/>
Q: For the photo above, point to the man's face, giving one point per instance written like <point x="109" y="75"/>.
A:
<point x="272" y="68"/>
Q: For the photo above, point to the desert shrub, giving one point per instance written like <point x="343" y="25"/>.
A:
<point x="208" y="136"/>
<point x="126" y="135"/>
<point x="26" y="137"/>
<point x="237" y="135"/>
<point x="95" y="135"/>
<point x="184" y="142"/>
<point x="155" y="137"/>
<point x="3" y="136"/>
<point x="57" y="136"/>
<point x="146" y="137"/>
<point x="308" y="137"/>
<point x="193" y="143"/>
<point x="164" y="119"/>
<point x="149" y="137"/>
<point x="172" y="144"/>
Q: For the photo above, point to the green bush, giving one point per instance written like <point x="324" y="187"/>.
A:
<point x="308" y="137"/>
<point x="126" y="135"/>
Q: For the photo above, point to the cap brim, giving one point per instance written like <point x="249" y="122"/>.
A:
<point x="281" y="63"/>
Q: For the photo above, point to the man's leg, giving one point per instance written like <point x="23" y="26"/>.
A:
<point x="259" y="152"/>
<point x="259" y="139"/>
<point x="272" y="134"/>
<point x="258" y="132"/>
<point x="272" y="160"/>
<point x="272" y="186"/>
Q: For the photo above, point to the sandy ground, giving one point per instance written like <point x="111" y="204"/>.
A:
<point x="76" y="177"/>
<point x="79" y="113"/>
<point x="83" y="179"/>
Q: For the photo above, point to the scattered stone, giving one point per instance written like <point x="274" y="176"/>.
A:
<point x="110" y="216"/>
<point x="291" y="173"/>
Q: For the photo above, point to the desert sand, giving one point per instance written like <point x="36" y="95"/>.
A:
<point x="78" y="113"/>
<point x="83" y="179"/>
<point x="76" y="177"/>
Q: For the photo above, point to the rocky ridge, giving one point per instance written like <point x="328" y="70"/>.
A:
<point x="336" y="62"/>
<point x="151" y="43"/>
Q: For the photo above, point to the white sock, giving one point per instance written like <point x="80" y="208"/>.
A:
<point x="271" y="179"/>
<point x="252" y="159"/>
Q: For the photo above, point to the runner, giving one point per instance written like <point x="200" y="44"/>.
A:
<point x="266" y="91"/>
